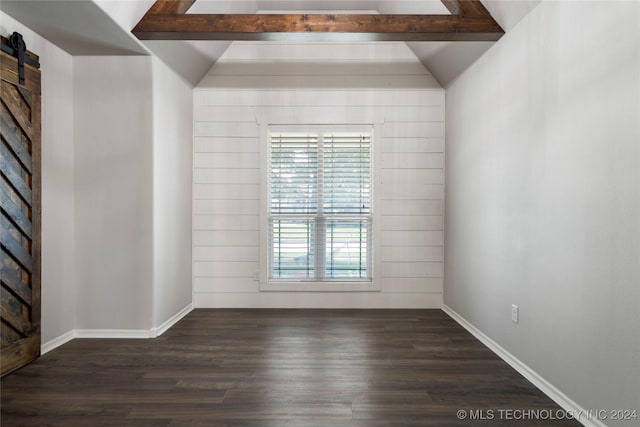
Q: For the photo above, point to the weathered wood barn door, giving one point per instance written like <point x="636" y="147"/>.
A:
<point x="20" y="203"/>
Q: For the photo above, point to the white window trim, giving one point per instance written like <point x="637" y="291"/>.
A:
<point x="266" y="284"/>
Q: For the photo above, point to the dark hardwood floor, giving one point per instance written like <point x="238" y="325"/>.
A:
<point x="278" y="368"/>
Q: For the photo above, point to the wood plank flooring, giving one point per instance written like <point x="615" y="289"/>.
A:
<point x="277" y="368"/>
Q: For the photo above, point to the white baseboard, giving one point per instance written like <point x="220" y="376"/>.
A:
<point x="57" y="342"/>
<point x="156" y="332"/>
<point x="114" y="333"/>
<point x="348" y="300"/>
<point x="92" y="333"/>
<point x="581" y="414"/>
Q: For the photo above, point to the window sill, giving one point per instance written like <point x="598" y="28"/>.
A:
<point x="315" y="286"/>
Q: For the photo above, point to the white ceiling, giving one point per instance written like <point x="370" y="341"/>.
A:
<point x="78" y="27"/>
<point x="382" y="6"/>
<point x="103" y="27"/>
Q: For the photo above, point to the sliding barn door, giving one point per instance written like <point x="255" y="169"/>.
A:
<point x="20" y="203"/>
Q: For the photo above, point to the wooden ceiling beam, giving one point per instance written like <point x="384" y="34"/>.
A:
<point x="466" y="8"/>
<point x="276" y="26"/>
<point x="168" y="20"/>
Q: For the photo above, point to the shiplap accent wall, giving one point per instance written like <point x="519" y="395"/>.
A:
<point x="254" y="85"/>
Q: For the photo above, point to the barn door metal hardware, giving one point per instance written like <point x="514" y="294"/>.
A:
<point x="18" y="48"/>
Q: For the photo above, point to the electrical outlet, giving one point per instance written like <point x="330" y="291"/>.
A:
<point x="256" y="276"/>
<point x="515" y="313"/>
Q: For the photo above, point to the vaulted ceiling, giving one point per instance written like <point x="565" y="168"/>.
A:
<point x="102" y="27"/>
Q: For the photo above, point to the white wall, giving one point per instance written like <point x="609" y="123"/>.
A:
<point x="116" y="151"/>
<point x="133" y="191"/>
<point x="543" y="198"/>
<point x="57" y="180"/>
<point x="113" y="192"/>
<point x="172" y="171"/>
<point x="278" y="83"/>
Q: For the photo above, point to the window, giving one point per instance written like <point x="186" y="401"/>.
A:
<point x="319" y="206"/>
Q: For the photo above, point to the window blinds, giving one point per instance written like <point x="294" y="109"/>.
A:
<point x="320" y="205"/>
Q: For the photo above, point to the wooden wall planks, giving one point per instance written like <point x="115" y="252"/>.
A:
<point x="226" y="186"/>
